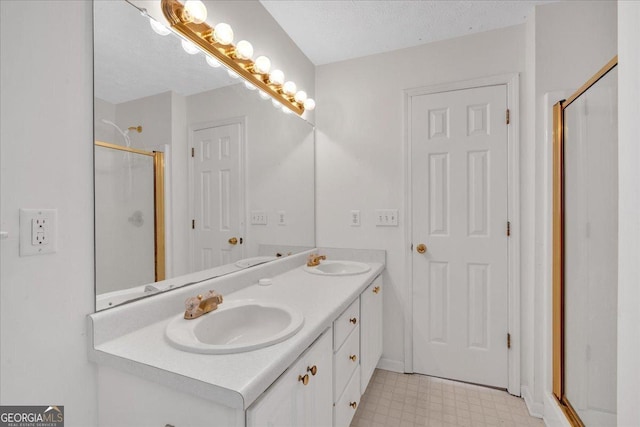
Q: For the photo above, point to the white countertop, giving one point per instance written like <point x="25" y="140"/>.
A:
<point x="234" y="380"/>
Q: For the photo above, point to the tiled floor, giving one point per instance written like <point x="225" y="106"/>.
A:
<point x="394" y="399"/>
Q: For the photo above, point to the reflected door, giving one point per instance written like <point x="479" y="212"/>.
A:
<point x="217" y="196"/>
<point x="459" y="199"/>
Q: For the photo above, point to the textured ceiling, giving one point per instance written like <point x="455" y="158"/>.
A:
<point x="331" y="31"/>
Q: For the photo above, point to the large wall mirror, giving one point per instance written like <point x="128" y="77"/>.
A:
<point x="195" y="175"/>
<point x="586" y="251"/>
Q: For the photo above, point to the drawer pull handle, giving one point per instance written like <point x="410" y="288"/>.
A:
<point x="353" y="357"/>
<point x="304" y="380"/>
<point x="353" y="320"/>
<point x="313" y="370"/>
<point x="354" y="405"/>
<point x="376" y="289"/>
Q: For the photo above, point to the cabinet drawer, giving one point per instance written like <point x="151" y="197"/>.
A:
<point x="345" y="362"/>
<point x="345" y="324"/>
<point x="345" y="407"/>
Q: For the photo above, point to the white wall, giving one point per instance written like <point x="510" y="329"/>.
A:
<point x="629" y="214"/>
<point x="360" y="148"/>
<point x="47" y="162"/>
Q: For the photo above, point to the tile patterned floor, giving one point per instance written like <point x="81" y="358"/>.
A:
<point x="400" y="400"/>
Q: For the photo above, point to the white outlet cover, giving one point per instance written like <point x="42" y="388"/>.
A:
<point x="282" y="218"/>
<point x="42" y="221"/>
<point x="354" y="218"/>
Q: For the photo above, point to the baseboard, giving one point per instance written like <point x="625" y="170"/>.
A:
<point x="553" y="415"/>
<point x="391" y="365"/>
<point x="536" y="409"/>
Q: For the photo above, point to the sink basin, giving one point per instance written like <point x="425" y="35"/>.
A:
<point x="338" y="268"/>
<point x="235" y="327"/>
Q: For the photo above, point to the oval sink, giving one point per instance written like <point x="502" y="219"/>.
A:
<point x="338" y="268"/>
<point x="235" y="327"/>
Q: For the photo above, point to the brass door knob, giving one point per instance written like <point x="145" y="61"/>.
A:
<point x="376" y="289"/>
<point x="304" y="379"/>
<point x="353" y="320"/>
<point x="313" y="370"/>
<point x="233" y="241"/>
<point x="421" y="248"/>
<point x="354" y="405"/>
<point x="353" y="357"/>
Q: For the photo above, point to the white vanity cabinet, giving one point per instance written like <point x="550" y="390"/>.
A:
<point x="302" y="395"/>
<point x="346" y="365"/>
<point x="370" y="331"/>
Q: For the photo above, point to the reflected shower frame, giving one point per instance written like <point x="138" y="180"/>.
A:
<point x="558" y="215"/>
<point x="158" y="203"/>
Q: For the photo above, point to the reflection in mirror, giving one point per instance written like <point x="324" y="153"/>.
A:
<point x="236" y="177"/>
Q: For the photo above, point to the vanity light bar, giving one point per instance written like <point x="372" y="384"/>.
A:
<point x="202" y="35"/>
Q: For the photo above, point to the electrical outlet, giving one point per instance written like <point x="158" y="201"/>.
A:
<point x="282" y="218"/>
<point x="386" y="217"/>
<point x="355" y="219"/>
<point x="258" y="218"/>
<point x="37" y="231"/>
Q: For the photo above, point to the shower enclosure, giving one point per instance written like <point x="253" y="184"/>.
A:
<point x="129" y="217"/>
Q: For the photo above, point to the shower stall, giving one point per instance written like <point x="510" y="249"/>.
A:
<point x="129" y="217"/>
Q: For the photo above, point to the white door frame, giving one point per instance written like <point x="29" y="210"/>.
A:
<point x="242" y="121"/>
<point x="512" y="81"/>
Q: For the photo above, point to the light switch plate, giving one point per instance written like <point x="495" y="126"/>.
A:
<point x="38" y="231"/>
<point x="258" y="218"/>
<point x="386" y="217"/>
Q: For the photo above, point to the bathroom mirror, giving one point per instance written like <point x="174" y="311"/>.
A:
<point x="586" y="251"/>
<point x="232" y="187"/>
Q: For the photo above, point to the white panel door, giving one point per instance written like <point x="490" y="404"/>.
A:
<point x="459" y="199"/>
<point x="217" y="195"/>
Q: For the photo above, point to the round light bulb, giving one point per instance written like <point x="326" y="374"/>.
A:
<point x="286" y="110"/>
<point x="276" y="103"/>
<point x="197" y="10"/>
<point x="309" y="104"/>
<point x="244" y="50"/>
<point x="189" y="47"/>
<point x="233" y="74"/>
<point x="300" y="97"/>
<point x="213" y="62"/>
<point x="264" y="95"/>
<point x="262" y="65"/>
<point x="222" y="33"/>
<point x="249" y="86"/>
<point x="276" y="77"/>
<point x="158" y="27"/>
<point x="289" y="88"/>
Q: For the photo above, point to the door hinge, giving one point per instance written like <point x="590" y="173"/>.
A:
<point x="508" y="340"/>
<point x="508" y="116"/>
<point x="508" y="228"/>
<point x="193" y="152"/>
<point x="193" y="224"/>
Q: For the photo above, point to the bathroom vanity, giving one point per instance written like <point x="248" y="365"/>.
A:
<point x="315" y="377"/>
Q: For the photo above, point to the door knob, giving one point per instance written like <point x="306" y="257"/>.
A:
<point x="233" y="241"/>
<point x="421" y="248"/>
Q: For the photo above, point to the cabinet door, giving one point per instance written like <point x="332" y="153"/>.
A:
<point x="289" y="402"/>
<point x="370" y="331"/>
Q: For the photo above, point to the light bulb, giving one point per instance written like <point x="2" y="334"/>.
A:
<point x="158" y="27"/>
<point x="263" y="95"/>
<point x="249" y="86"/>
<point x="300" y="97"/>
<point x="309" y="104"/>
<point x="289" y="88"/>
<point x="233" y="74"/>
<point x="197" y="11"/>
<point x="262" y="65"/>
<point x="189" y="47"/>
<point x="222" y="33"/>
<point x="276" y="103"/>
<point x="213" y="62"/>
<point x="244" y="50"/>
<point x="286" y="110"/>
<point x="276" y="77"/>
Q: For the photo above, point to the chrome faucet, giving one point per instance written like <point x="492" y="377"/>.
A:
<point x="314" y="260"/>
<point x="197" y="306"/>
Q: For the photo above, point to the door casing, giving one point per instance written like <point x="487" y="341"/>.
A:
<point x="512" y="81"/>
